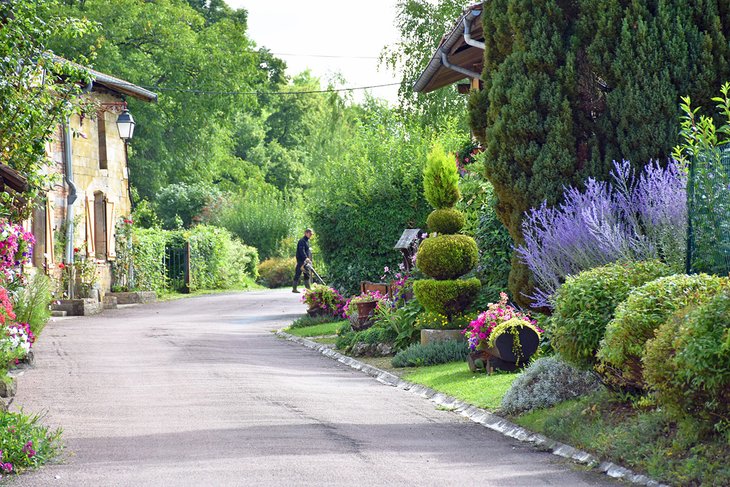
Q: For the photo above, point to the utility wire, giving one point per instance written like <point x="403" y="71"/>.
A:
<point x="214" y="92"/>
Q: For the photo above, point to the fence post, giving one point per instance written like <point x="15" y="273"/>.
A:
<point x="187" y="267"/>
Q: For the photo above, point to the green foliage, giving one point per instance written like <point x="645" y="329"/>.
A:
<point x="433" y="353"/>
<point x="36" y="94"/>
<point x="263" y="217"/>
<point x="447" y="256"/>
<point x="18" y="432"/>
<point x="566" y="93"/>
<point x="638" y="317"/>
<point x="372" y="336"/>
<point x="307" y="321"/>
<point x="446" y="297"/>
<point x="687" y="364"/>
<point x="148" y="252"/>
<point x="191" y="203"/>
<point x="277" y="272"/>
<point x="428" y="320"/>
<point x="402" y="322"/>
<point x="546" y="382"/>
<point x="421" y="24"/>
<point x="445" y="221"/>
<point x="168" y="45"/>
<point x="586" y="303"/>
<point x="367" y="192"/>
<point x="492" y="238"/>
<point x="644" y="440"/>
<point x="218" y="260"/>
<point x="440" y="179"/>
<point x="32" y="303"/>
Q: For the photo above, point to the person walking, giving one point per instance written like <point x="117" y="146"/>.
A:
<point x="304" y="256"/>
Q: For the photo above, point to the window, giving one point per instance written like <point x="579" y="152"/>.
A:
<point x="100" y="230"/>
<point x="101" y="129"/>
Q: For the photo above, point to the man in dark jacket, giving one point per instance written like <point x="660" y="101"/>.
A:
<point x="304" y="254"/>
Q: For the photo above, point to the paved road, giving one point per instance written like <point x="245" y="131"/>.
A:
<point x="199" y="392"/>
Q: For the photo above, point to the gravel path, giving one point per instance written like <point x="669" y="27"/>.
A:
<point x="199" y="392"/>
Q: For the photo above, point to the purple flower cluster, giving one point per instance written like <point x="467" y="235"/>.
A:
<point x="6" y="467"/>
<point x="630" y="218"/>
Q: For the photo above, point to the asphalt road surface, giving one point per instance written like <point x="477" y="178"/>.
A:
<point x="199" y="392"/>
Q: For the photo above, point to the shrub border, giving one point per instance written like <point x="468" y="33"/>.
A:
<point x="480" y="416"/>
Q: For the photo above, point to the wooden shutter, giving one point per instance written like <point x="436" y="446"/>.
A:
<point x="90" y="251"/>
<point x="111" y="235"/>
<point x="49" y="233"/>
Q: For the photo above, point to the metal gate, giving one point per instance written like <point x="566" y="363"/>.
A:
<point x="177" y="267"/>
<point x="708" y="205"/>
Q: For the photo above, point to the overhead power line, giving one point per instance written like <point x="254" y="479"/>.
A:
<point x="217" y="92"/>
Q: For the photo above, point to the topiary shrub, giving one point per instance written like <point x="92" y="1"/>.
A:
<point x="447" y="256"/>
<point x="545" y="383"/>
<point x="441" y="179"/>
<point x="646" y="309"/>
<point x="433" y="353"/>
<point x="277" y="272"/>
<point x="687" y="364"/>
<point x="446" y="297"/>
<point x="445" y="221"/>
<point x="586" y="303"/>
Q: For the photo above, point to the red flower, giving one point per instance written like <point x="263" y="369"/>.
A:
<point x="61" y="265"/>
<point x="76" y="250"/>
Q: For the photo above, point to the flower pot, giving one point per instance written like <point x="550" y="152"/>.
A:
<point x="364" y="315"/>
<point x="505" y="355"/>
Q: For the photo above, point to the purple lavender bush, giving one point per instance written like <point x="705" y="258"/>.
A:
<point x="629" y="218"/>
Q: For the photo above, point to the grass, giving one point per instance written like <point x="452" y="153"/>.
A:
<point x="455" y="379"/>
<point x="642" y="439"/>
<point x="323" y="329"/>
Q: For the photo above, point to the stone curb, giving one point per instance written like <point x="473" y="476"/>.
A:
<point x="481" y="416"/>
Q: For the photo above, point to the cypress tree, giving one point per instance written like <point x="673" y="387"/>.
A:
<point x="572" y="85"/>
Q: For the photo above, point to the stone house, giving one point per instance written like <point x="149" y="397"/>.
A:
<point x="88" y="157"/>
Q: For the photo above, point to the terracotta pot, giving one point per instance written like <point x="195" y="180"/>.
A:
<point x="364" y="310"/>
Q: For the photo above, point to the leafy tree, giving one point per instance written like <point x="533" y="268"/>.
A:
<point x="571" y="86"/>
<point x="36" y="92"/>
<point x="187" y="203"/>
<point x="193" y="59"/>
<point x="421" y="24"/>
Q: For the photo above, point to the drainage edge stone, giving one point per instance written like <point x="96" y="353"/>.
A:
<point x="480" y="416"/>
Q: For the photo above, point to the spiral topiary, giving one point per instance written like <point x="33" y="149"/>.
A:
<point x="445" y="221"/>
<point x="448" y="297"/>
<point x="447" y="256"/>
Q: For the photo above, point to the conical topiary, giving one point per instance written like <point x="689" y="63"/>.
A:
<point x="446" y="256"/>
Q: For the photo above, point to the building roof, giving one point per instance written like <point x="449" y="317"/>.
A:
<point x="114" y="84"/>
<point x="458" y="56"/>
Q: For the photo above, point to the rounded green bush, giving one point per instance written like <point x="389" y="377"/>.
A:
<point x="646" y="309"/>
<point x="586" y="303"/>
<point x="687" y="364"/>
<point x="277" y="272"/>
<point x="447" y="256"/>
<point x="446" y="297"/>
<point x="445" y="221"/>
<point x="441" y="179"/>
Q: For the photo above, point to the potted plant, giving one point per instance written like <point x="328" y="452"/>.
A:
<point x="361" y="308"/>
<point x="502" y="337"/>
<point x="324" y="301"/>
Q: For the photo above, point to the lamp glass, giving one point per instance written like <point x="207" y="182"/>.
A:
<point x="125" y="125"/>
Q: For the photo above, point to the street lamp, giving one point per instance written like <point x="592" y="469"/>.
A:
<point x="125" y="125"/>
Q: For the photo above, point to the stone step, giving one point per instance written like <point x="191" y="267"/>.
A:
<point x="58" y="313"/>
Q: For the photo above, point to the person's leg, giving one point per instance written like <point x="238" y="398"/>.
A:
<point x="297" y="275"/>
